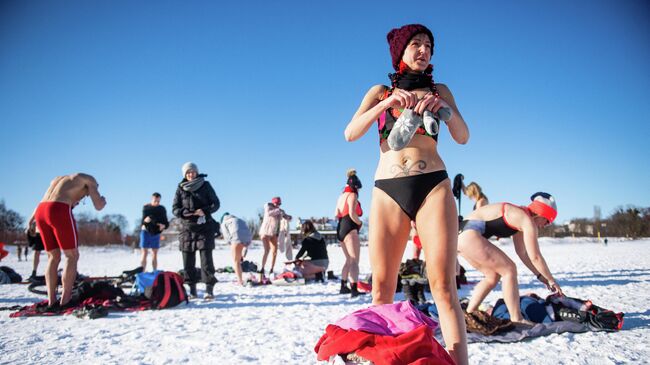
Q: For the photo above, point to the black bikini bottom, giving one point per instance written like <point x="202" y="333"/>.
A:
<point x="409" y="192"/>
<point x="345" y="226"/>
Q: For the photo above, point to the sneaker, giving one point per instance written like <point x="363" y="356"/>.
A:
<point x="403" y="130"/>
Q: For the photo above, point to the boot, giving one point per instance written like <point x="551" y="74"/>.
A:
<point x="192" y="291"/>
<point x="319" y="277"/>
<point x="344" y="288"/>
<point x="331" y="276"/>
<point x="209" y="289"/>
<point x="353" y="291"/>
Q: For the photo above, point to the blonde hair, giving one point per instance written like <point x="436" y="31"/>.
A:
<point x="474" y="191"/>
<point x="351" y="172"/>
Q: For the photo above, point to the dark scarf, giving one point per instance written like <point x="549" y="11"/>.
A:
<point x="411" y="81"/>
<point x="194" y="185"/>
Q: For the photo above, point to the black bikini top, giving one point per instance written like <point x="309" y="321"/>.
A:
<point x="499" y="226"/>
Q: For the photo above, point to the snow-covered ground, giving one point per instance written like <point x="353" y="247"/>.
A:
<point x="280" y="325"/>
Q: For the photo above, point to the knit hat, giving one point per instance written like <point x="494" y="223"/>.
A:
<point x="354" y="182"/>
<point x="543" y="205"/>
<point x="276" y="200"/>
<point x="189" y="166"/>
<point x="399" y="38"/>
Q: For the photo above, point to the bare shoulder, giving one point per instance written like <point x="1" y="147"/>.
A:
<point x="86" y="178"/>
<point x="377" y="92"/>
<point x="443" y="89"/>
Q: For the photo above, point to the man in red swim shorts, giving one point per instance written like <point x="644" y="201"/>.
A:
<point x="54" y="219"/>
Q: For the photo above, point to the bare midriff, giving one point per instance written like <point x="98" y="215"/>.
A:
<point x="419" y="157"/>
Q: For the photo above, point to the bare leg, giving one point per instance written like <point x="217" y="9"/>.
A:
<point x="274" y="250"/>
<point x="353" y="248"/>
<point x="309" y="270"/>
<point x="267" y="249"/>
<point x="51" y="277"/>
<point x="495" y="265"/>
<point x="416" y="252"/>
<point x="69" y="274"/>
<point x="437" y="223"/>
<point x="388" y="231"/>
<point x="37" y="259"/>
<point x="237" y="250"/>
<point x="143" y="258"/>
<point x="345" y="271"/>
<point x="154" y="258"/>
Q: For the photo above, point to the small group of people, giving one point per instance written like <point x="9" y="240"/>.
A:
<point x="412" y="188"/>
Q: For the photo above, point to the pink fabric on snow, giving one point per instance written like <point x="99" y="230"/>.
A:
<point x="386" y="319"/>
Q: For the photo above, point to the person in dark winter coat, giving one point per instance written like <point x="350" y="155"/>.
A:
<point x="194" y="203"/>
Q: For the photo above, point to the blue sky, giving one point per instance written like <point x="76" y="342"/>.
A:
<point x="258" y="94"/>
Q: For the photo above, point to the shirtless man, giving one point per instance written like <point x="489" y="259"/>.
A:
<point x="54" y="219"/>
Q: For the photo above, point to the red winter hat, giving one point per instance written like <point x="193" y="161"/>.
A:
<point x="398" y="38"/>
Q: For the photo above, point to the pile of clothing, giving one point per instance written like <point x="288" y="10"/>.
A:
<point x="383" y="335"/>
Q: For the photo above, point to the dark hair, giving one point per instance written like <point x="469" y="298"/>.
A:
<point x="307" y="228"/>
<point x="157" y="195"/>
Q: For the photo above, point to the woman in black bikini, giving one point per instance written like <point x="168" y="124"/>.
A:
<point x="348" y="211"/>
<point x="411" y="183"/>
<point x="507" y="220"/>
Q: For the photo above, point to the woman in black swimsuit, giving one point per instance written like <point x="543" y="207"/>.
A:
<point x="348" y="211"/>
<point x="507" y="220"/>
<point x="411" y="182"/>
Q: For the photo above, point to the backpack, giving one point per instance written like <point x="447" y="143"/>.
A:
<point x="167" y="291"/>
<point x="143" y="281"/>
<point x="13" y="276"/>
<point x="584" y="311"/>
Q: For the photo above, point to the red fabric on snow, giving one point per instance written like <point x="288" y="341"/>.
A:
<point x="414" y="347"/>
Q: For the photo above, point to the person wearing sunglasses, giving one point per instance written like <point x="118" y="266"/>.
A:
<point x="507" y="220"/>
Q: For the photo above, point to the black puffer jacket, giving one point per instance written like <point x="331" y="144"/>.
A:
<point x="194" y="236"/>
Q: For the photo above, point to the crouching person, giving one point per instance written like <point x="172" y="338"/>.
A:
<point x="194" y="203"/>
<point x="314" y="247"/>
<point x="236" y="232"/>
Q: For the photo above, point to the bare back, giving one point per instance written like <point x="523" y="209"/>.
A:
<point x="341" y="202"/>
<point x="514" y="215"/>
<point x="70" y="189"/>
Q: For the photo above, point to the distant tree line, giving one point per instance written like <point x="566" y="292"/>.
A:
<point x="630" y="222"/>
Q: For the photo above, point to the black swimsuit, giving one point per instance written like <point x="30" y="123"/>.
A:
<point x="409" y="192"/>
<point x="345" y="226"/>
<point x="498" y="227"/>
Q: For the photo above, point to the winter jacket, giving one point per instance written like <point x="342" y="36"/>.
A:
<point x="235" y="230"/>
<point x="271" y="222"/>
<point x="195" y="236"/>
